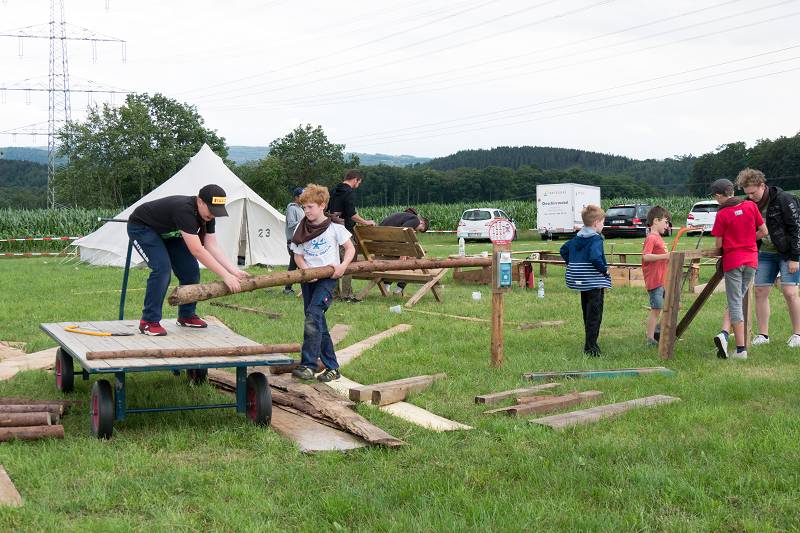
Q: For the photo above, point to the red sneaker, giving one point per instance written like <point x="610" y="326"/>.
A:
<point x="152" y="328"/>
<point x="193" y="321"/>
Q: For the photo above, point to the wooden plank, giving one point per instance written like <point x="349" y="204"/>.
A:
<point x="553" y="403"/>
<point x="394" y="394"/>
<point x="698" y="303"/>
<point x="425" y="288"/>
<point x="245" y="309"/>
<point x="496" y="397"/>
<point x="217" y="351"/>
<point x="592" y="374"/>
<point x="409" y="276"/>
<point x="363" y="393"/>
<point x="9" y="497"/>
<point x="346" y="355"/>
<point x="594" y="414"/>
<point x="672" y="302"/>
<point x="520" y="401"/>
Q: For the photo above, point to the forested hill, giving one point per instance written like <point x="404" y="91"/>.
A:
<point x="22" y="184"/>
<point x="668" y="175"/>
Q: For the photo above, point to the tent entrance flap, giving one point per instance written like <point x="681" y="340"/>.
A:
<point x="244" y="254"/>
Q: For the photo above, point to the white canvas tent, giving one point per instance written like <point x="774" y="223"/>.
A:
<point x="254" y="229"/>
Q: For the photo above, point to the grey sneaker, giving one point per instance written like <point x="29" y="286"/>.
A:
<point x="722" y="345"/>
<point x="759" y="339"/>
<point x="652" y="342"/>
<point x="329" y="375"/>
<point x="288" y="291"/>
<point x="303" y="372"/>
<point x="398" y="291"/>
<point x="739" y="355"/>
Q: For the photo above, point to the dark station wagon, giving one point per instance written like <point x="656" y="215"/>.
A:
<point x="628" y="220"/>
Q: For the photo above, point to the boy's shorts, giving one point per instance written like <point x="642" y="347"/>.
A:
<point x="737" y="281"/>
<point x="769" y="264"/>
<point x="656" y="298"/>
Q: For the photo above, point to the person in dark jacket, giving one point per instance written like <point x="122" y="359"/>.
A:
<point x="778" y="252"/>
<point x="294" y="214"/>
<point x="587" y="272"/>
<point x="405" y="219"/>
<point x="343" y="205"/>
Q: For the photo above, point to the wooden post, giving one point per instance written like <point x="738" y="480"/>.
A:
<point x="694" y="274"/>
<point x="497" y="309"/>
<point x="672" y="301"/>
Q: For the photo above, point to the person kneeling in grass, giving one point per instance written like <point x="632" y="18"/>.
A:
<point x="315" y="243"/>
<point x="737" y="227"/>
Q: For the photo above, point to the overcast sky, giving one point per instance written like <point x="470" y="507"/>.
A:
<point x="645" y="79"/>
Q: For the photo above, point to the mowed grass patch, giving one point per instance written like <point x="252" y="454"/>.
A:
<point x="721" y="459"/>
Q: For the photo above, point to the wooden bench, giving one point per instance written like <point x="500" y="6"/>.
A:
<point x="384" y="242"/>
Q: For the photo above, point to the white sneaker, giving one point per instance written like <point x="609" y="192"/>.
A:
<point x="739" y="355"/>
<point x="398" y="290"/>
<point x="722" y="345"/>
<point x="759" y="339"/>
<point x="794" y="341"/>
<point x="387" y="286"/>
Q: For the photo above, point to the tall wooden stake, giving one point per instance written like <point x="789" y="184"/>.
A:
<point x="497" y="309"/>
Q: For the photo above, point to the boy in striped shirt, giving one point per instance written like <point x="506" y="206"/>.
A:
<point x="587" y="272"/>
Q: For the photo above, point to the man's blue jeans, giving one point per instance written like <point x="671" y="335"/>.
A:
<point x="163" y="255"/>
<point x="317" y="343"/>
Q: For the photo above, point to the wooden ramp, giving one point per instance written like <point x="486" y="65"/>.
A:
<point x="593" y="414"/>
<point x="9" y="497"/>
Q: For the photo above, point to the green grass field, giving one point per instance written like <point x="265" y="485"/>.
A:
<point x="725" y="458"/>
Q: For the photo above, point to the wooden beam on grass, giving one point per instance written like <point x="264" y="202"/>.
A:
<point x="9" y="496"/>
<point x="708" y="290"/>
<point x="496" y="397"/>
<point x="254" y="310"/>
<point x="593" y="414"/>
<point x="553" y="403"/>
<point x="14" y="420"/>
<point x="521" y="325"/>
<point x="364" y="392"/>
<point x="31" y="433"/>
<point x="221" y="351"/>
<point x="594" y="374"/>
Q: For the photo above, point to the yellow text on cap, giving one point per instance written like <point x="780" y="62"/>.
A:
<point x="217" y="200"/>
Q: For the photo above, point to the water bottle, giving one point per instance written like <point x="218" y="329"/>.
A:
<point x="540" y="292"/>
<point x="461" y="248"/>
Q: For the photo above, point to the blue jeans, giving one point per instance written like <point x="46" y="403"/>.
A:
<point x="163" y="255"/>
<point x="317" y="343"/>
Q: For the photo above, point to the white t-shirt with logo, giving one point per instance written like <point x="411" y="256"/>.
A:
<point x="323" y="250"/>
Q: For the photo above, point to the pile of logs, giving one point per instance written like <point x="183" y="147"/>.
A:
<point x="25" y="419"/>
<point x="316" y="401"/>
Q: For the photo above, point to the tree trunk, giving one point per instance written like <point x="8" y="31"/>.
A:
<point x="31" y="433"/>
<point x="185" y="294"/>
<point x="14" y="420"/>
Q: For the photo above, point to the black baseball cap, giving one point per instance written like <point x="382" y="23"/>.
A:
<point x="297" y="191"/>
<point x="215" y="198"/>
<point x="723" y="187"/>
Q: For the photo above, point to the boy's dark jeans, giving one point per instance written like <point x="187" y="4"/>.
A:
<point x="317" y="343"/>
<point x="592" y="306"/>
<point x="163" y="255"/>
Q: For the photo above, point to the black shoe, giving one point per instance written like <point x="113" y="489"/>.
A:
<point x="302" y="372"/>
<point x="329" y="375"/>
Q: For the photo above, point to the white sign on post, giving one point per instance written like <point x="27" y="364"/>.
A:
<point x="501" y="231"/>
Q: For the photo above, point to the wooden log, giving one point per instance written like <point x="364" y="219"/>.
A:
<point x="25" y="401"/>
<point x="54" y="410"/>
<point x="593" y="414"/>
<point x="398" y="393"/>
<point x="31" y="433"/>
<point x="222" y="351"/>
<point x="552" y="403"/>
<point x="364" y="392"/>
<point x="270" y="314"/>
<point x="9" y="496"/>
<point x="592" y="374"/>
<point x="14" y="420"/>
<point x="185" y="294"/>
<point x="672" y="302"/>
<point x="495" y="397"/>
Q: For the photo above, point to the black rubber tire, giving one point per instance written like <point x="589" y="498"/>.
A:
<point x="259" y="399"/>
<point x="64" y="371"/>
<point x="101" y="409"/>
<point x="197" y="376"/>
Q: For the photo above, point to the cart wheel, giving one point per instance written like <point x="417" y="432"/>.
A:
<point x="259" y="399"/>
<point x="197" y="376"/>
<point x="65" y="377"/>
<point x="102" y="409"/>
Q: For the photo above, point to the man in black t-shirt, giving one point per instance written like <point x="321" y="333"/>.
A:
<point x="174" y="233"/>
<point x="405" y="219"/>
<point x="343" y="204"/>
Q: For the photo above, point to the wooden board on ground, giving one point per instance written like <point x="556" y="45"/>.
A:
<point x="495" y="397"/>
<point x="594" y="374"/>
<point x="546" y="405"/>
<point x="254" y="310"/>
<point x="594" y="414"/>
<point x="346" y="355"/>
<point x="9" y="497"/>
<point x="364" y="393"/>
<point x="177" y="338"/>
<point x="32" y="361"/>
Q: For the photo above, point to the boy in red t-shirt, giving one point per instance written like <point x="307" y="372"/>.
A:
<point x="737" y="227"/>
<point x="654" y="267"/>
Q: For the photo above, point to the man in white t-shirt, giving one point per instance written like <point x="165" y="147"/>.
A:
<point x="315" y="243"/>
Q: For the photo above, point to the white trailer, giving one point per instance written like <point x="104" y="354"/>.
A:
<point x="559" y="206"/>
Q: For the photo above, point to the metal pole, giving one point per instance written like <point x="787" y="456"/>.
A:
<point x="125" y="280"/>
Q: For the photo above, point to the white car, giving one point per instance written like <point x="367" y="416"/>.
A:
<point x="703" y="214"/>
<point x="474" y="223"/>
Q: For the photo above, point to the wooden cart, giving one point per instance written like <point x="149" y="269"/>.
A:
<point x="109" y="404"/>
